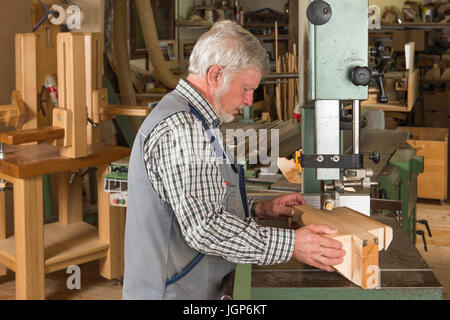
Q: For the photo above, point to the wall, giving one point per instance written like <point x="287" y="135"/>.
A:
<point x="15" y="17"/>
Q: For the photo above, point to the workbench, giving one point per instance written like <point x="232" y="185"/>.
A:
<point x="404" y="275"/>
<point x="36" y="249"/>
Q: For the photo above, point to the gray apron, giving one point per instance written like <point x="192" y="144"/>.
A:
<point x="159" y="264"/>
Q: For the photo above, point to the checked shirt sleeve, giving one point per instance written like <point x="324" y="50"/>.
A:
<point x="190" y="181"/>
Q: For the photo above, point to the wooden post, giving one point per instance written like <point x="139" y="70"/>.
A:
<point x="277" y="69"/>
<point x="111" y="229"/>
<point x="70" y="198"/>
<point x="72" y="90"/>
<point x="26" y="77"/>
<point x="3" y="223"/>
<point x="29" y="238"/>
<point x="94" y="72"/>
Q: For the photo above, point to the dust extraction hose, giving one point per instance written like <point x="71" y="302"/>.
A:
<point x="161" y="71"/>
<point x="120" y="49"/>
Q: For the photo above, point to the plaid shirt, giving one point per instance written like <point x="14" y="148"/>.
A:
<point x="181" y="167"/>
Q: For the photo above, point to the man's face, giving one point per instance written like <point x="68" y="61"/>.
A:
<point x="239" y="94"/>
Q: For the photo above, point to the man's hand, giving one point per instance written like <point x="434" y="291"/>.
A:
<point x="279" y="207"/>
<point x="316" y="250"/>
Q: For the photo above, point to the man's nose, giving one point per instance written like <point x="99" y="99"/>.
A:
<point x="248" y="98"/>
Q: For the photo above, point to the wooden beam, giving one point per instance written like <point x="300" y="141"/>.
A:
<point x="31" y="135"/>
<point x="361" y="237"/>
<point x="29" y="238"/>
<point x="121" y="110"/>
<point x="94" y="75"/>
<point x="72" y="89"/>
<point x="70" y="198"/>
<point x="26" y="76"/>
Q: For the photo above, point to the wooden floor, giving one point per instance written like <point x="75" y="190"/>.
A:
<point x="438" y="254"/>
<point x="94" y="287"/>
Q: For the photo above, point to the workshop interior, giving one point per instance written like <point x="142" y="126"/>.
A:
<point x="354" y="115"/>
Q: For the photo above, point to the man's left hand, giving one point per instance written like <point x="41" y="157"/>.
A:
<point x="279" y="207"/>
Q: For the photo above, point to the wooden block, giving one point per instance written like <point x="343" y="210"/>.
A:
<point x="265" y="116"/>
<point x="62" y="118"/>
<point x="19" y="112"/>
<point x="361" y="237"/>
<point x="99" y="101"/>
<point x="31" y="135"/>
<point x="120" y="110"/>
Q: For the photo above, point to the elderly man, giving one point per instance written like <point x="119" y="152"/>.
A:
<point x="188" y="220"/>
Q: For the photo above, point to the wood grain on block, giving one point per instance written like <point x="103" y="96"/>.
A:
<point x="361" y="237"/>
<point x="31" y="135"/>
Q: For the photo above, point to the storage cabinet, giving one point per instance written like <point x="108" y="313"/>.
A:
<point x="432" y="144"/>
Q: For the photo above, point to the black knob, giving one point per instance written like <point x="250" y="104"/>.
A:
<point x="375" y="156"/>
<point x="318" y="12"/>
<point x="361" y="76"/>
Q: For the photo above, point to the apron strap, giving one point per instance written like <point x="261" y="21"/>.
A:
<point x="237" y="168"/>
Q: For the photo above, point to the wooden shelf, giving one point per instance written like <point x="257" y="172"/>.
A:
<point x="64" y="245"/>
<point x="271" y="37"/>
<point x="193" y="24"/>
<point x="259" y="25"/>
<point x="32" y="160"/>
<point x="409" y="25"/>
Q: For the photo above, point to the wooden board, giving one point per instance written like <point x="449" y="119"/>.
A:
<point x="361" y="237"/>
<point x="31" y="160"/>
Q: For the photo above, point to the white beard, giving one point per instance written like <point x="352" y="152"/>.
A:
<point x="224" y="117"/>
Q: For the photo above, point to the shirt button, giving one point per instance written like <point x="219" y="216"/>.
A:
<point x="216" y="123"/>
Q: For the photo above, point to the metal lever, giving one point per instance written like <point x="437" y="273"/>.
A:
<point x="425" y="223"/>
<point x="381" y="59"/>
<point x="95" y="125"/>
<point x="421" y="233"/>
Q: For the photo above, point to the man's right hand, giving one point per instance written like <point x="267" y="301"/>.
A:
<point x="316" y="250"/>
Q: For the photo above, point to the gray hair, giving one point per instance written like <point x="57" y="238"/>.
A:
<point x="229" y="45"/>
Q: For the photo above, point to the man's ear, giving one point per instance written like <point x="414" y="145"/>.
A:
<point x="214" y="76"/>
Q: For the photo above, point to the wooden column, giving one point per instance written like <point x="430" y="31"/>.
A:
<point x="70" y="198"/>
<point x="72" y="92"/>
<point x="111" y="229"/>
<point x="94" y="72"/>
<point x="29" y="238"/>
<point x="26" y="77"/>
<point x="2" y="225"/>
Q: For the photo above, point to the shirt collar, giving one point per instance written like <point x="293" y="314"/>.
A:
<point x="199" y="102"/>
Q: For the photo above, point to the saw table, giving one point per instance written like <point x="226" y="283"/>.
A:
<point x="404" y="275"/>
